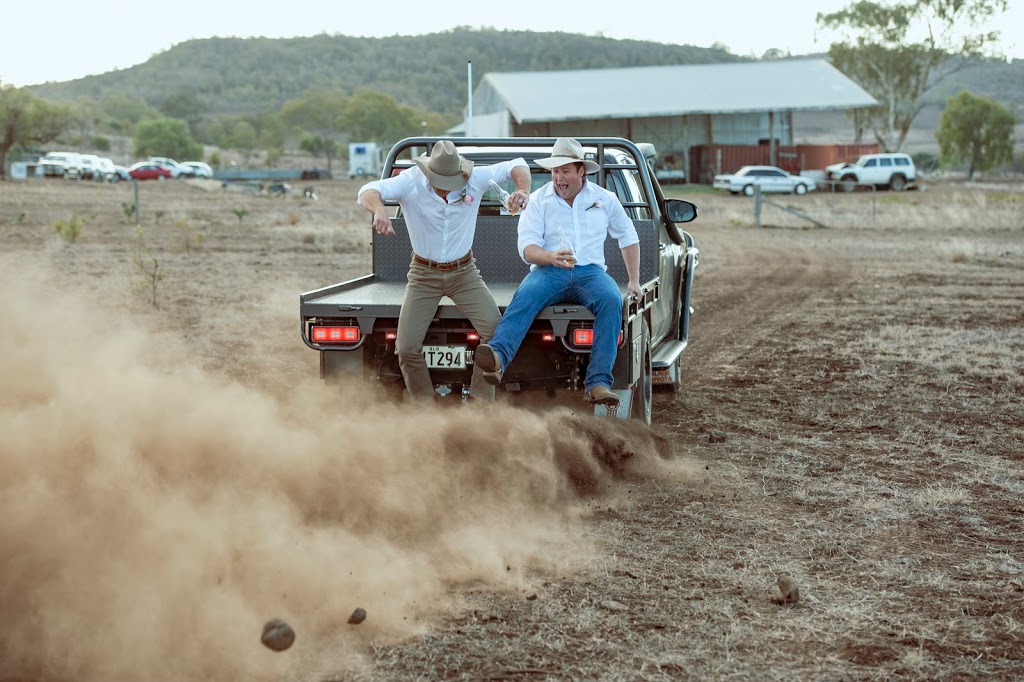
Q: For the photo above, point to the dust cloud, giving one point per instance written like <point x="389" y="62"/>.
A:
<point x="153" y="516"/>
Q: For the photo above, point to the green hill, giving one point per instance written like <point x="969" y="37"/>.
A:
<point x="246" y="75"/>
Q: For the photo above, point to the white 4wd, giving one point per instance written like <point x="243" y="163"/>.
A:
<point x="60" y="164"/>
<point x="892" y="170"/>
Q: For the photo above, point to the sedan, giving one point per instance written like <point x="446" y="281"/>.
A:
<point x="768" y="178"/>
<point x="199" y="169"/>
<point x="145" y="170"/>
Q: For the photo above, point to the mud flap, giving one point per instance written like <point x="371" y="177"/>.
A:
<point x="337" y="366"/>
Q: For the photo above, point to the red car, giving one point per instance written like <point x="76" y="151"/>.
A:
<point x="145" y="170"/>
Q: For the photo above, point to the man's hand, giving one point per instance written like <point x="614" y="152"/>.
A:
<point x="536" y="255"/>
<point x="382" y="222"/>
<point x="633" y="287"/>
<point x="518" y="200"/>
<point x="563" y="258"/>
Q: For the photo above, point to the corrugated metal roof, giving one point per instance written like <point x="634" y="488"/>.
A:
<point x="643" y="92"/>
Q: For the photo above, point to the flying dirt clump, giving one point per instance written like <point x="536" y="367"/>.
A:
<point x="277" y="635"/>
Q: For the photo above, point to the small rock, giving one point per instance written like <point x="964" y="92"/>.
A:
<point x="357" y="617"/>
<point x="716" y="437"/>
<point x="613" y="605"/>
<point x="532" y="597"/>
<point x="277" y="635"/>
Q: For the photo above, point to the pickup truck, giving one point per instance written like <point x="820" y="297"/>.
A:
<point x="353" y="324"/>
<point x="60" y="164"/>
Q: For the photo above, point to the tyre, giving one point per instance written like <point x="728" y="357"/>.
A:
<point x="897" y="183"/>
<point x="748" y="190"/>
<point x="640" y="401"/>
<point x="801" y="189"/>
<point x="848" y="183"/>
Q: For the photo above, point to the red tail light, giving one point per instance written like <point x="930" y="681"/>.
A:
<point x="583" y="337"/>
<point x="390" y="336"/>
<point x="472" y="336"/>
<point x="549" y="337"/>
<point x="335" y="334"/>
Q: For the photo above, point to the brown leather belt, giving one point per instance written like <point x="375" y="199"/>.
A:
<point x="450" y="265"/>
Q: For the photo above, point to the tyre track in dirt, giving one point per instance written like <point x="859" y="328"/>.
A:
<point x="750" y="285"/>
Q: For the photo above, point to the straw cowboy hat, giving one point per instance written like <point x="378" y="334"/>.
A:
<point x="568" y="150"/>
<point x="445" y="168"/>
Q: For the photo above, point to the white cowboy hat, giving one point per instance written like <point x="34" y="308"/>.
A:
<point x="445" y="168"/>
<point x="568" y="150"/>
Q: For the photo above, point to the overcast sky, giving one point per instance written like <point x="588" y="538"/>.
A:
<point x="59" y="40"/>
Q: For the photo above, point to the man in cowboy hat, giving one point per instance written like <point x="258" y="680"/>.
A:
<point x="439" y="197"/>
<point x="572" y="209"/>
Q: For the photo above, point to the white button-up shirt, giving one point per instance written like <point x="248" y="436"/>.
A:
<point x="440" y="229"/>
<point x="595" y="213"/>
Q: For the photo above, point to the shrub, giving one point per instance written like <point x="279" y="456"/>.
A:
<point x="69" y="229"/>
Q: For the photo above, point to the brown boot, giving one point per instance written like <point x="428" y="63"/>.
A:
<point x="602" y="395"/>
<point x="489" y="363"/>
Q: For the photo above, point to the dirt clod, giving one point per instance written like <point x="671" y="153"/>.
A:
<point x="277" y="635"/>
<point x="357" y="617"/>
<point x="789" y="590"/>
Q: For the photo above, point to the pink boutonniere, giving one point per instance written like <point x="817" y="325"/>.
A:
<point x="468" y="199"/>
<point x="596" y="204"/>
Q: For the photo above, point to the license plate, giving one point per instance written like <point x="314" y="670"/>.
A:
<point x="445" y="357"/>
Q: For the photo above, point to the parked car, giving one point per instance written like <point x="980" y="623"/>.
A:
<point x="893" y="170"/>
<point x="59" y="164"/>
<point x="120" y="173"/>
<point x="87" y="167"/>
<point x="147" y="170"/>
<point x="177" y="170"/>
<point x="199" y="169"/>
<point x="768" y="178"/>
<point x="103" y="170"/>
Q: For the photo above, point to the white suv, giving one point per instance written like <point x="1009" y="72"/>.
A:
<point x="892" y="170"/>
<point x="60" y="164"/>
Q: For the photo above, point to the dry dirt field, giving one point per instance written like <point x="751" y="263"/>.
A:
<point x="175" y="475"/>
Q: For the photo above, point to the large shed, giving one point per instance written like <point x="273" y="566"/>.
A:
<point x="678" y="108"/>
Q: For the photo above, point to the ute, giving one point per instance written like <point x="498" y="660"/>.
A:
<point x="353" y="325"/>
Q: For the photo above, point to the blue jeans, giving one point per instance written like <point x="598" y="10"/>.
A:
<point x="586" y="285"/>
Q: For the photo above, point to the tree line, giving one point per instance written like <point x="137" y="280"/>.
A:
<point x="261" y="94"/>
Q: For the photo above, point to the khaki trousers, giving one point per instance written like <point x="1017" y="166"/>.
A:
<point x="466" y="288"/>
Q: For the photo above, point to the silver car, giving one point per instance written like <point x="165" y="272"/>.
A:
<point x="768" y="178"/>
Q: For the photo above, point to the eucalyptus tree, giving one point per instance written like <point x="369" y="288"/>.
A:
<point x="898" y="51"/>
<point x="977" y="131"/>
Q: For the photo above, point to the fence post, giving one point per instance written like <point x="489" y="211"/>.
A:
<point x="137" y="214"/>
<point x="757" y="204"/>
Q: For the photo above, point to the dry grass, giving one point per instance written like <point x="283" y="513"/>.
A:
<point x="864" y="385"/>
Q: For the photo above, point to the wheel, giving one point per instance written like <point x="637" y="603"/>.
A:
<point x="640" y="402"/>
<point x="848" y="183"/>
<point x="801" y="188"/>
<point x="897" y="183"/>
<point x="749" y="190"/>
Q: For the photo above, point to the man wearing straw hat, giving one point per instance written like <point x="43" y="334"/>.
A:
<point x="561" y="235"/>
<point x="440" y="200"/>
